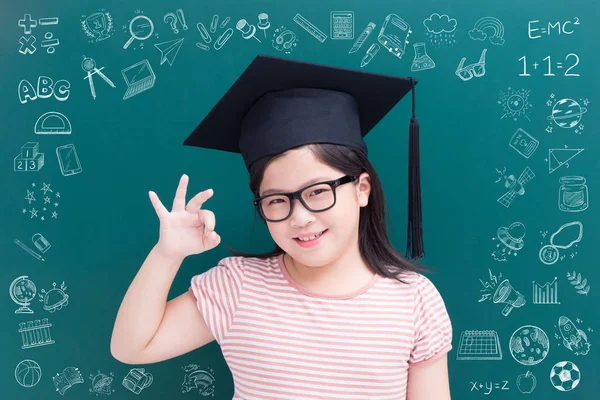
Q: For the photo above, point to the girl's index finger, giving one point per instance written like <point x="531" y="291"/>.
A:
<point x="198" y="200"/>
<point x="179" y="200"/>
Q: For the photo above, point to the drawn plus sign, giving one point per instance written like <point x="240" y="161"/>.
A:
<point x="27" y="23"/>
<point x="535" y="65"/>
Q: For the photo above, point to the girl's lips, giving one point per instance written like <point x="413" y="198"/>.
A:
<point x="313" y="242"/>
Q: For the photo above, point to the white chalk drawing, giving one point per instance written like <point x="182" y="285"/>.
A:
<point x="566" y="114"/>
<point x="68" y="161"/>
<point x="139" y="77"/>
<point x="565" y="376"/>
<point x="46" y="88"/>
<point x="523" y="143"/>
<point x="580" y="286"/>
<point x="514" y="186"/>
<point x="102" y="383"/>
<point x="137" y="379"/>
<point x="248" y="30"/>
<point x="35" y="333"/>
<point x="263" y="23"/>
<point x="28" y="373"/>
<point x="47" y="206"/>
<point x="440" y="30"/>
<point x="27" y="41"/>
<point x="362" y="37"/>
<point x="529" y="345"/>
<point x="572" y="194"/>
<point x="22" y="290"/>
<point x="559" y="157"/>
<point x="421" y="61"/>
<point x="221" y="40"/>
<point x="40" y="243"/>
<point x="342" y="25"/>
<point x="572" y="337"/>
<point x="558" y="27"/>
<point x="169" y="50"/>
<point x="88" y="65"/>
<point x="526" y="382"/>
<point x="66" y="379"/>
<point x="488" y="28"/>
<point x="310" y="28"/>
<point x="52" y="123"/>
<point x="550" y="64"/>
<point x="479" y="345"/>
<point x="489" y="386"/>
<point x="501" y="293"/>
<point x="467" y="72"/>
<point x="30" y="158"/>
<point x="370" y="54"/>
<point x="140" y="28"/>
<point x="203" y="32"/>
<point x="54" y="299"/>
<point x="546" y="293"/>
<point x="573" y="232"/>
<point x="510" y="241"/>
<point x="173" y="18"/>
<point x="394" y="34"/>
<point x="284" y="40"/>
<point x="197" y="378"/>
<point x="213" y="23"/>
<point x="515" y="103"/>
<point x="98" y="26"/>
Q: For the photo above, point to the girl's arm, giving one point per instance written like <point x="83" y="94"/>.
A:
<point x="429" y="380"/>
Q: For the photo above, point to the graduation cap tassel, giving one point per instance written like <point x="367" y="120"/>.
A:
<point x="414" y="237"/>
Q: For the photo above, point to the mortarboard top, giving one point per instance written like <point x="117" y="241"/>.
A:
<point x="277" y="104"/>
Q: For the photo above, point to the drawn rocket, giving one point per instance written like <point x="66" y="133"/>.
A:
<point x="573" y="339"/>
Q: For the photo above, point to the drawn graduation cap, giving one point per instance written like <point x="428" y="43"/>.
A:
<point x="277" y="104"/>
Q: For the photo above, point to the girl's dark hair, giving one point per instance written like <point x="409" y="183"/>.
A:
<point x="373" y="242"/>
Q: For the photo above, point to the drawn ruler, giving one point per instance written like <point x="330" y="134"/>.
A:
<point x="363" y="36"/>
<point x="310" y="28"/>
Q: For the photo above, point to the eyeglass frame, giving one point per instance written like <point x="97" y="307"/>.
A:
<point x="334" y="183"/>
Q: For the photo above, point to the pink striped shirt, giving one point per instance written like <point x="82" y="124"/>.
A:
<point x="282" y="341"/>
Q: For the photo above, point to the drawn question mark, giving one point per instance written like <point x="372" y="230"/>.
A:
<point x="171" y="19"/>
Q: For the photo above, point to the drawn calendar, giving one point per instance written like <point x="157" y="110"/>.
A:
<point x="479" y="345"/>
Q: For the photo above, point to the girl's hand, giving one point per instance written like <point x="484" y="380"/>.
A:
<point x="187" y="229"/>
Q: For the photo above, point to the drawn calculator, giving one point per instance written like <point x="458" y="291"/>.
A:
<point x="342" y="24"/>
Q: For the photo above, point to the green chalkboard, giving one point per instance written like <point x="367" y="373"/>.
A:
<point x="507" y="104"/>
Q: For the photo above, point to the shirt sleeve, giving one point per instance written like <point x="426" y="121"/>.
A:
<point x="433" y="329"/>
<point x="217" y="292"/>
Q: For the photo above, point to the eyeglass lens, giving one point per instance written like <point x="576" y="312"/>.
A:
<point x="317" y="198"/>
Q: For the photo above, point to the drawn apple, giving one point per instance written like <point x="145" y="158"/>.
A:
<point x="526" y="382"/>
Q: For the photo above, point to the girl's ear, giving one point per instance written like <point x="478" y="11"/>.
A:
<point x="364" y="189"/>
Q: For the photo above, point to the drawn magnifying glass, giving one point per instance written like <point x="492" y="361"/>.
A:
<point x="140" y="28"/>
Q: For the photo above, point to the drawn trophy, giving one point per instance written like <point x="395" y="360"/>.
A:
<point x="98" y="25"/>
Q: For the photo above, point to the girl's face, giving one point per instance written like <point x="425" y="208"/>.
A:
<point x="296" y="169"/>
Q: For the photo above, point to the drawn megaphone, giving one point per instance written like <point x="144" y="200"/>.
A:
<point x="505" y="293"/>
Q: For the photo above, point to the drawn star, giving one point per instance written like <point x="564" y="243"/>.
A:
<point x="556" y="336"/>
<point x="590" y="330"/>
<point x="32" y="184"/>
<point x="58" y="194"/>
<point x="578" y="321"/>
<point x="552" y="95"/>
<point x="586" y="102"/>
<point x="29" y="197"/>
<point x="549" y="129"/>
<point x="46" y="200"/>
<point x="581" y="127"/>
<point x="46" y="188"/>
<point x="33" y="212"/>
<point x="549" y="103"/>
<point x="24" y="211"/>
<point x="44" y="208"/>
<point x="55" y="204"/>
<point x="43" y="218"/>
<point x="54" y="214"/>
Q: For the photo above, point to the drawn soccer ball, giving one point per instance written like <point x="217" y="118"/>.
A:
<point x="565" y="376"/>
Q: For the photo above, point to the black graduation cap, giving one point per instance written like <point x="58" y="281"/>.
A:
<point x="277" y="104"/>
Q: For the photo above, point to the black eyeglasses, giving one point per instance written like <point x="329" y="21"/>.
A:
<point x="317" y="197"/>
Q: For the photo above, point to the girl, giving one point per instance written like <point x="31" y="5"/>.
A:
<point x="334" y="311"/>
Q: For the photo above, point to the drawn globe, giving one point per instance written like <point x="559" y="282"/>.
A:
<point x="567" y="113"/>
<point x="529" y="345"/>
<point x="22" y="290"/>
<point x="565" y="376"/>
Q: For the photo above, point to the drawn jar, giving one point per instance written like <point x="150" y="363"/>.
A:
<point x="573" y="194"/>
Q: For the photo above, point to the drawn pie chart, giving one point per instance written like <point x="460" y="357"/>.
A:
<point x="52" y="123"/>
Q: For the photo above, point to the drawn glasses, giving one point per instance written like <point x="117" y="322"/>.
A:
<point x="476" y="69"/>
<point x="317" y="197"/>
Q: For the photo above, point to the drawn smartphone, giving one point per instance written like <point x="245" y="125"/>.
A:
<point x="68" y="160"/>
<point x="394" y="34"/>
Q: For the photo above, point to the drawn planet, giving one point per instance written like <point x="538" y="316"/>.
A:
<point x="512" y="237"/>
<point x="567" y="113"/>
<point x="529" y="345"/>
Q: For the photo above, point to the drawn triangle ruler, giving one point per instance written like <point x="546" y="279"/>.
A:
<point x="559" y="157"/>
